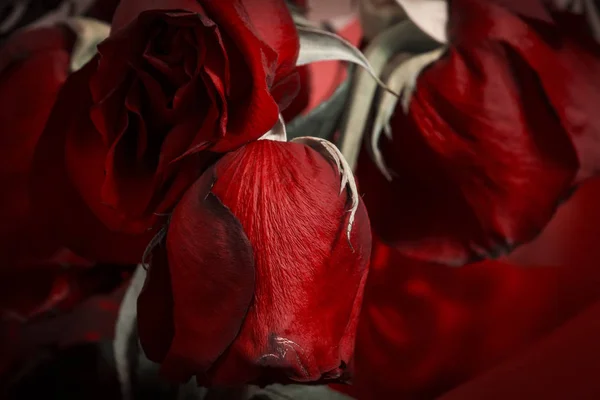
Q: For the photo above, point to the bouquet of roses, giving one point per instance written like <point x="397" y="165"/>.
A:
<point x="173" y="153"/>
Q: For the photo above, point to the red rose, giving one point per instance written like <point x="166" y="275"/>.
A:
<point x="261" y="279"/>
<point x="175" y="83"/>
<point x="33" y="66"/>
<point x="499" y="131"/>
<point x="426" y="328"/>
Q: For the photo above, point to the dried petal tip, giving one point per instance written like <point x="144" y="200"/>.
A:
<point x="334" y="154"/>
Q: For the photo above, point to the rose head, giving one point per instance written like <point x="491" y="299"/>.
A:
<point x="260" y="278"/>
<point x="478" y="172"/>
<point x="176" y="83"/>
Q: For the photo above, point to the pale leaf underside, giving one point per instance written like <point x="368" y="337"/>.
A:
<point x="321" y="45"/>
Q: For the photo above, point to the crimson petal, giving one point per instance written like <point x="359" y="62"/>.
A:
<point x="211" y="267"/>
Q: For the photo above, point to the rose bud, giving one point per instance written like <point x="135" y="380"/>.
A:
<point x="261" y="275"/>
<point x="490" y="138"/>
<point x="176" y="82"/>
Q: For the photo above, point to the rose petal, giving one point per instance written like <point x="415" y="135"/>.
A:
<point x="273" y="22"/>
<point x="129" y="171"/>
<point x="212" y="278"/>
<point x="256" y="112"/>
<point x="217" y="77"/>
<point x="291" y="208"/>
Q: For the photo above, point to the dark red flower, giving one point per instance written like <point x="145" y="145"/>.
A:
<point x="498" y="133"/>
<point x="33" y="66"/>
<point x="177" y="82"/>
<point x="260" y="279"/>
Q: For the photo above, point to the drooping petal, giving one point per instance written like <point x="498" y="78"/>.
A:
<point x="211" y="268"/>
